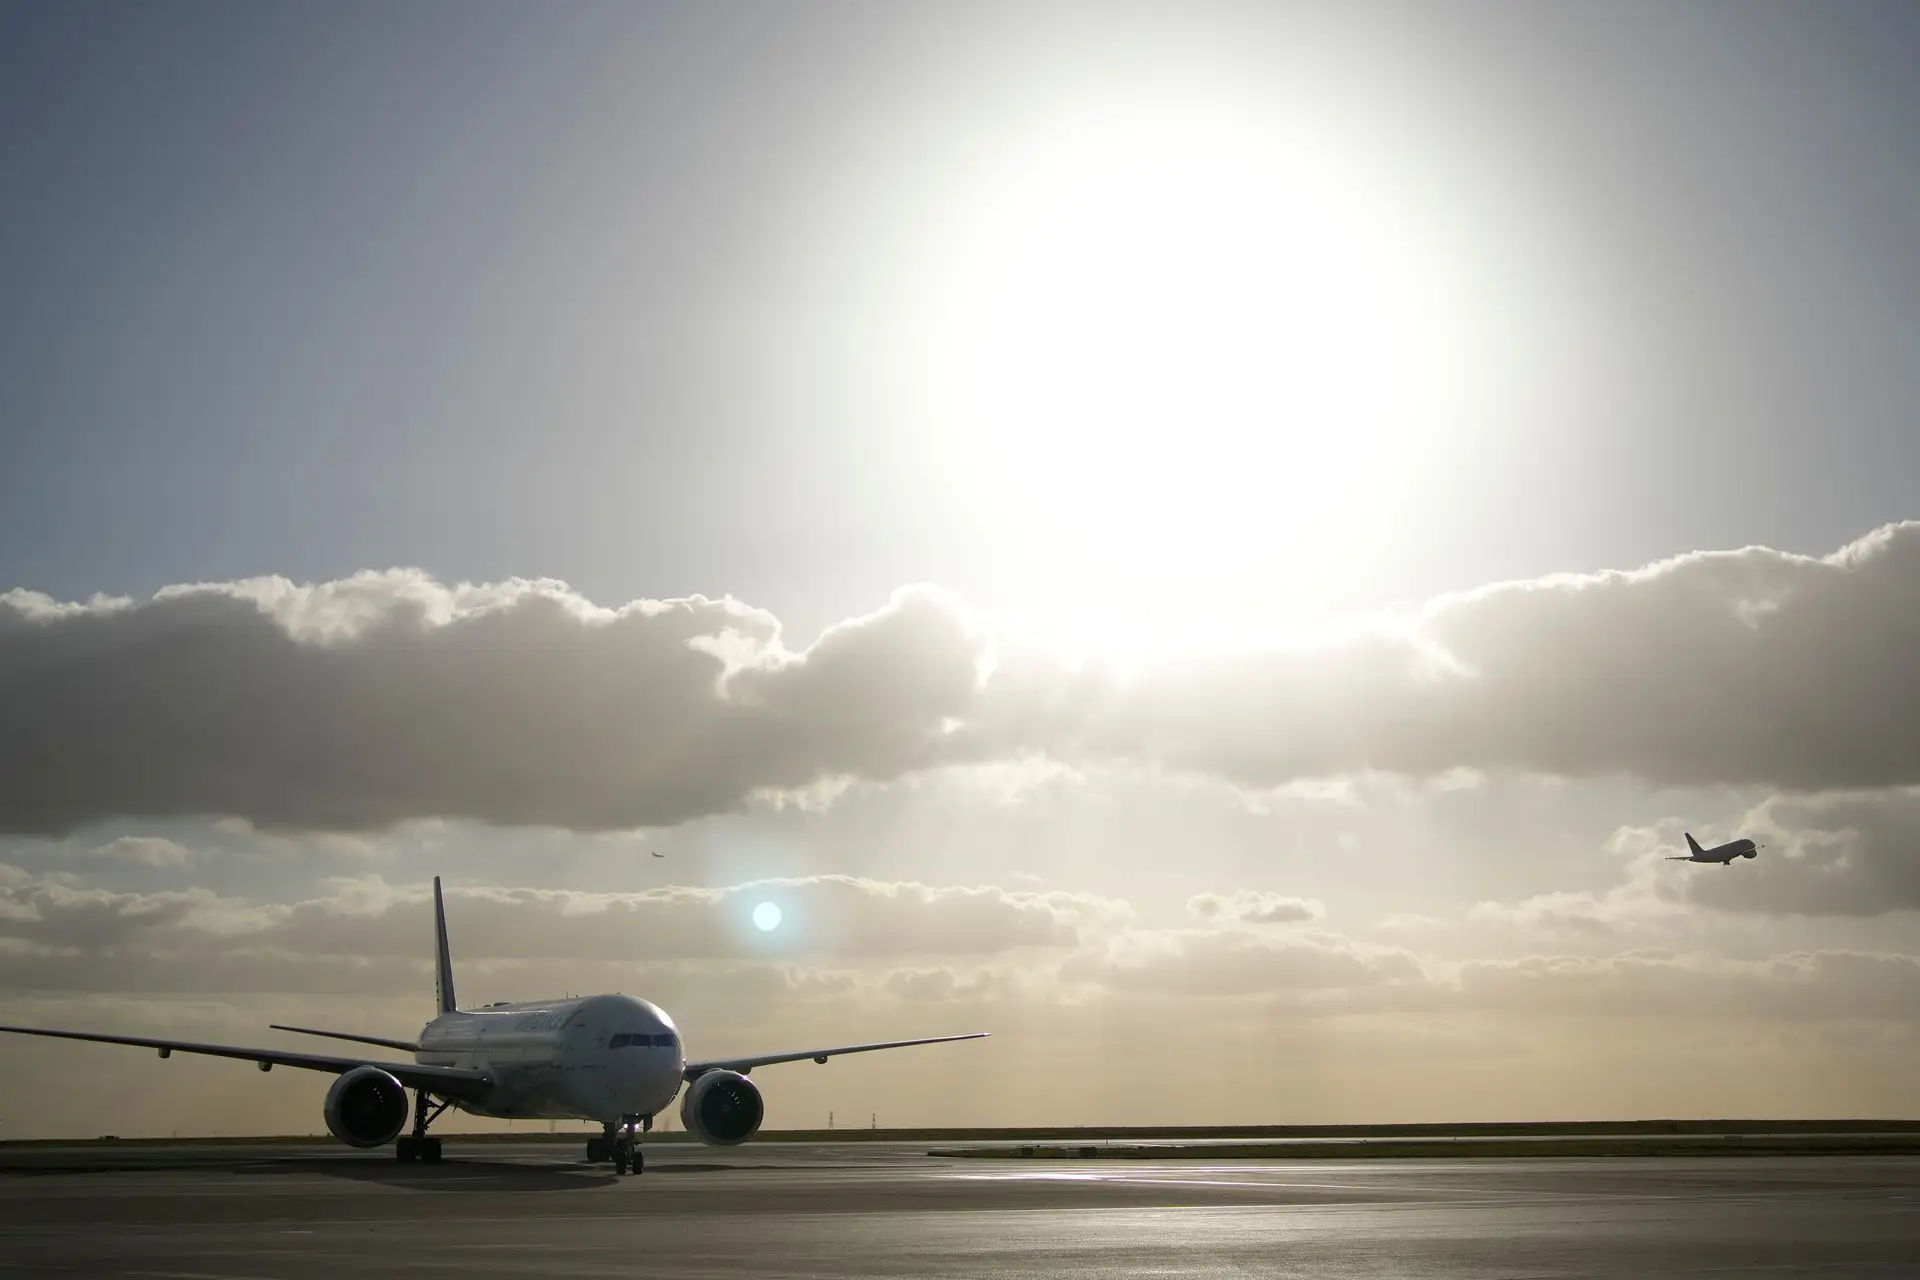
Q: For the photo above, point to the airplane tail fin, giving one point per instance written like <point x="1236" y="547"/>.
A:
<point x="443" y="959"/>
<point x="1691" y="844"/>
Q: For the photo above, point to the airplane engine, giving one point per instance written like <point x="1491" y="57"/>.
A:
<point x="722" y="1108"/>
<point x="1751" y="853"/>
<point x="366" y="1107"/>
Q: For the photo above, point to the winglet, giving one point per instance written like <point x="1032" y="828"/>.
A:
<point x="443" y="959"/>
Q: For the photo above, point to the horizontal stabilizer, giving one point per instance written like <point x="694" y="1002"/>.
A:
<point x="406" y="1046"/>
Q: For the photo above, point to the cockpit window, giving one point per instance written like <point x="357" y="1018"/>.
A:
<point x="642" y="1040"/>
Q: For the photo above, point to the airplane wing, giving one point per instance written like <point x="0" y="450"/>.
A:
<point x="747" y="1064"/>
<point x="405" y="1046"/>
<point x="448" y="1082"/>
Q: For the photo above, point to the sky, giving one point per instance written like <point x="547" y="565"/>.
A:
<point x="1185" y="536"/>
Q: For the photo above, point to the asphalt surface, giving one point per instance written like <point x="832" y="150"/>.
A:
<point x="867" y="1209"/>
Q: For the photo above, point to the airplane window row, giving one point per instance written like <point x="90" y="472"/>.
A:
<point x="642" y="1040"/>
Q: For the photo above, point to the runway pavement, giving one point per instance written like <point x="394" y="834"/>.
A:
<point x="868" y="1209"/>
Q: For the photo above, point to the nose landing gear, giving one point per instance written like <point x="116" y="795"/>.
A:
<point x="620" y="1144"/>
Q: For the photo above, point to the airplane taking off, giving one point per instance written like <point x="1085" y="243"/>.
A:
<point x="616" y="1059"/>
<point x="1723" y="854"/>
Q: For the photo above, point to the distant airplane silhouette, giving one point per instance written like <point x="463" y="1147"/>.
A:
<point x="1722" y="854"/>
<point x="658" y="855"/>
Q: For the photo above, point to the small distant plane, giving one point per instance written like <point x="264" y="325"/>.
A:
<point x="659" y="855"/>
<point x="1723" y="854"/>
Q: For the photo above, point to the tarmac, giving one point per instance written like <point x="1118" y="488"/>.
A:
<point x="250" y="1212"/>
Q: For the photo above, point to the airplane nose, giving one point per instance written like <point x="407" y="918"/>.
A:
<point x="648" y="1079"/>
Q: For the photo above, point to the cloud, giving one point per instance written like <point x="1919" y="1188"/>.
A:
<point x="1845" y="854"/>
<point x="367" y="935"/>
<point x="57" y="915"/>
<point x="945" y="985"/>
<point x="1067" y="984"/>
<point x="1652" y="896"/>
<point x="154" y="851"/>
<point x="1842" y="854"/>
<point x="1328" y="974"/>
<point x="844" y="935"/>
<point x="1748" y="667"/>
<point x="1799" y="986"/>
<point x="362" y="703"/>
<point x="1239" y="962"/>
<point x="1254" y="906"/>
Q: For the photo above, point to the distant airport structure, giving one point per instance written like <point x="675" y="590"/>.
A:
<point x="615" y="1059"/>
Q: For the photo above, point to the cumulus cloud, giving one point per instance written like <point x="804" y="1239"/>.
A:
<point x="1618" y="910"/>
<point x="1650" y="898"/>
<point x="388" y="696"/>
<point x="369" y="935"/>
<point x="946" y="985"/>
<point x="1239" y="962"/>
<point x="154" y="851"/>
<point x="1751" y="666"/>
<point x="55" y="914"/>
<point x="1331" y="974"/>
<point x="862" y="943"/>
<point x="1254" y="906"/>
<point x="1849" y="854"/>
<point x="1802" y="985"/>
<point x="1844" y="854"/>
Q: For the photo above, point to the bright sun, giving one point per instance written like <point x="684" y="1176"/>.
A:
<point x="1169" y="339"/>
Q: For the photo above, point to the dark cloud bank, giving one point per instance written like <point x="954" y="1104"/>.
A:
<point x="357" y="704"/>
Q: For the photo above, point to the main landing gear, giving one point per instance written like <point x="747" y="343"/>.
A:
<point x="417" y="1145"/>
<point x="620" y="1144"/>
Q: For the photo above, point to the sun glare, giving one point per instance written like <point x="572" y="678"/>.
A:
<point x="766" y="917"/>
<point x="1175" y="339"/>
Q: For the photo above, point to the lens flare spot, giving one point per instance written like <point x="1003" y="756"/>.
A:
<point x="766" y="917"/>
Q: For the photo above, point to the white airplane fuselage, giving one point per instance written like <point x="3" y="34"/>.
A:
<point x="592" y="1057"/>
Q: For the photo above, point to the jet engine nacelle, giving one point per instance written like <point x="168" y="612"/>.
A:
<point x="722" y="1108"/>
<point x="366" y="1107"/>
<point x="1751" y="853"/>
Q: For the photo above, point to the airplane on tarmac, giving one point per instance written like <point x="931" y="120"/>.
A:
<point x="1723" y="854"/>
<point x="612" y="1058"/>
